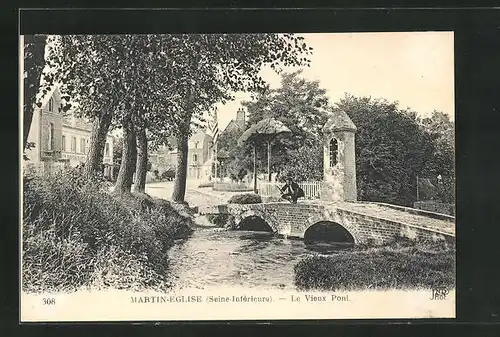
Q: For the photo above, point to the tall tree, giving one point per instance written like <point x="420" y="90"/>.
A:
<point x="391" y="149"/>
<point x="113" y="77"/>
<point x="106" y="74"/>
<point x="125" y="174"/>
<point x="141" y="165"/>
<point x="91" y="77"/>
<point x="219" y="65"/>
<point x="442" y="130"/>
<point x="302" y="105"/>
<point x="442" y="164"/>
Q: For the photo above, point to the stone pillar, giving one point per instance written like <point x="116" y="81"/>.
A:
<point x="350" y="189"/>
<point x="339" y="173"/>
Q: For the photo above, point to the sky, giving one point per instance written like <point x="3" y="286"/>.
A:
<point x="414" y="68"/>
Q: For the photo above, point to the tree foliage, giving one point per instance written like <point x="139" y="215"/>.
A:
<point x="228" y="141"/>
<point x="392" y="149"/>
<point x="164" y="83"/>
<point x="442" y="130"/>
<point x="302" y="106"/>
<point x="306" y="164"/>
<point x="218" y="66"/>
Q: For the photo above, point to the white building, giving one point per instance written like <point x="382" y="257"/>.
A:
<point x="60" y="139"/>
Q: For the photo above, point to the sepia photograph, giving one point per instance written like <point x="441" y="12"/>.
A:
<point x="262" y="176"/>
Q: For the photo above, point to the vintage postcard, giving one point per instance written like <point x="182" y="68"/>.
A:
<point x="192" y="177"/>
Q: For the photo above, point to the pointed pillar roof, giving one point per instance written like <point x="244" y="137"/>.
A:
<point x="339" y="121"/>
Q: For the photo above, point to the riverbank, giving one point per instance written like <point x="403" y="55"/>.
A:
<point x="76" y="234"/>
<point x="400" y="265"/>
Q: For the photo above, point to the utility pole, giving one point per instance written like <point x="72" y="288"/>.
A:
<point x="215" y="160"/>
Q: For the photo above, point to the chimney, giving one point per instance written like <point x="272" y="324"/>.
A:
<point x="240" y="118"/>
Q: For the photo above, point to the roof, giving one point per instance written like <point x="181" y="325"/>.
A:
<point x="232" y="125"/>
<point x="54" y="89"/>
<point x="339" y="121"/>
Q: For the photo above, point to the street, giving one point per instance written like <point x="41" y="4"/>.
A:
<point x="195" y="196"/>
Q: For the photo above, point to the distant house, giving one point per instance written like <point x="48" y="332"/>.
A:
<point x="199" y="156"/>
<point x="200" y="151"/>
<point x="61" y="139"/>
<point x="237" y="124"/>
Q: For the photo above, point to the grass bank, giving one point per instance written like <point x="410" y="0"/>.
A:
<point x="76" y="234"/>
<point x="399" y="265"/>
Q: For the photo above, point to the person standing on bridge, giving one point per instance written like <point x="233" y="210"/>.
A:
<point x="291" y="191"/>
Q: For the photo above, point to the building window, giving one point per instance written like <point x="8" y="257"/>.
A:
<point x="195" y="158"/>
<point x="196" y="144"/>
<point x="334" y="151"/>
<point x="83" y="144"/>
<point x="73" y="144"/>
<point x="50" y="144"/>
<point x="51" y="104"/>
<point x="63" y="143"/>
<point x="107" y="150"/>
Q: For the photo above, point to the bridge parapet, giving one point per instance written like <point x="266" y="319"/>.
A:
<point x="366" y="224"/>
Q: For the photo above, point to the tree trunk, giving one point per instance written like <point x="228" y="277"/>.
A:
<point x="142" y="161"/>
<point x="255" y="169"/>
<point x="182" y="141"/>
<point x="181" y="169"/>
<point x="269" y="160"/>
<point x="34" y="62"/>
<point x="100" y="128"/>
<point x="126" y="173"/>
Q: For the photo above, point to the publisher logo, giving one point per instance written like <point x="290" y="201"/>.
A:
<point x="439" y="294"/>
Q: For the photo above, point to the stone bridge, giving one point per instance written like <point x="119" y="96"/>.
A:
<point x="365" y="222"/>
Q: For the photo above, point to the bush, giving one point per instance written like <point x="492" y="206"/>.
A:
<point x="395" y="266"/>
<point x="208" y="184"/>
<point x="77" y="234"/>
<point x="249" y="198"/>
<point x="168" y="174"/>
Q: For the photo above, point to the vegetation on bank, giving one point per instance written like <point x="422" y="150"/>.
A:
<point x="248" y="198"/>
<point x="76" y="234"/>
<point x="400" y="265"/>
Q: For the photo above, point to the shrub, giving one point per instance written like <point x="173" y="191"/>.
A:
<point x="75" y="233"/>
<point x="208" y="184"/>
<point x="168" y="174"/>
<point x="249" y="198"/>
<point x="400" y="265"/>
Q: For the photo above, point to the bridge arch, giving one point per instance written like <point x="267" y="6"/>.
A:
<point x="255" y="213"/>
<point x="328" y="230"/>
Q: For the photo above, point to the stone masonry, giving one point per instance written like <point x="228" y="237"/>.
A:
<point x="367" y="223"/>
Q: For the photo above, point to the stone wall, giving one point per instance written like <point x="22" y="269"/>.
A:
<point x="294" y="220"/>
<point x="434" y="206"/>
